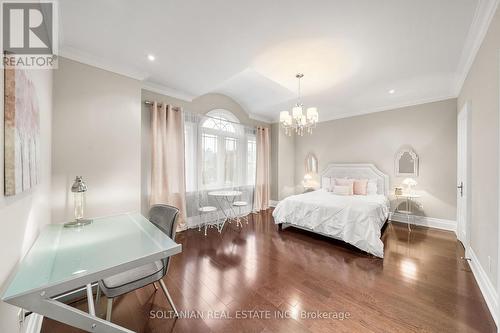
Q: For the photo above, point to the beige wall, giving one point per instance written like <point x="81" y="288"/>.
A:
<point x="481" y="89"/>
<point x="97" y="135"/>
<point x="282" y="164"/>
<point x="375" y="138"/>
<point x="202" y="105"/>
<point x="22" y="216"/>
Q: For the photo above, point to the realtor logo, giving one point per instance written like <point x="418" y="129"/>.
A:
<point x="29" y="37"/>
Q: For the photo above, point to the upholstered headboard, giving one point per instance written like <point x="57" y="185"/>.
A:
<point x="359" y="171"/>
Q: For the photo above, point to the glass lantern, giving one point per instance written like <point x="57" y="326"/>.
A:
<point x="78" y="189"/>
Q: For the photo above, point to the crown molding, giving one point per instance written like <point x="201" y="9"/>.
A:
<point x="261" y="118"/>
<point x="481" y="21"/>
<point x="88" y="59"/>
<point x="164" y="90"/>
<point x="388" y="107"/>
<point x="391" y="107"/>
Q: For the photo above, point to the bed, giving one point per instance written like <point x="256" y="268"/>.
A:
<point x="355" y="219"/>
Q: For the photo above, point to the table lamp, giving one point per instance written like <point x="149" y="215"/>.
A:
<point x="79" y="188"/>
<point x="309" y="182"/>
<point x="410" y="183"/>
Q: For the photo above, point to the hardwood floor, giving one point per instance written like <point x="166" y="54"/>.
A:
<point x="421" y="285"/>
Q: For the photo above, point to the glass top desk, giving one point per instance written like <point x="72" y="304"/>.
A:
<point x="63" y="259"/>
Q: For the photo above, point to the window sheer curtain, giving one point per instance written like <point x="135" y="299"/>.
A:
<point x="218" y="155"/>
<point x="167" y="167"/>
<point x="262" y="181"/>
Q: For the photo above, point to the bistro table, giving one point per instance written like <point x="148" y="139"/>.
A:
<point x="64" y="259"/>
<point x="226" y="198"/>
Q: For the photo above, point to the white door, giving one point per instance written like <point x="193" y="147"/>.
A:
<point x="462" y="181"/>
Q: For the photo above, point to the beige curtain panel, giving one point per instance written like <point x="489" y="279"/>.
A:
<point x="167" y="167"/>
<point x="262" y="179"/>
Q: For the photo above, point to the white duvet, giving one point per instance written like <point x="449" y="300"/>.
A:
<point x="356" y="219"/>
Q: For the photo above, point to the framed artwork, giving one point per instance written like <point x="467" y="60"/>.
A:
<point x="22" y="132"/>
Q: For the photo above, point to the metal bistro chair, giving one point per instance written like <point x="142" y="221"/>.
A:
<point x="207" y="213"/>
<point x="165" y="218"/>
<point x="239" y="205"/>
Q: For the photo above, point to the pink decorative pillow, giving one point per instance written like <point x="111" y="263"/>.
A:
<point x="360" y="186"/>
<point x="346" y="182"/>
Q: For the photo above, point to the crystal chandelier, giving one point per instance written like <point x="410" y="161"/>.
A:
<point x="298" y="121"/>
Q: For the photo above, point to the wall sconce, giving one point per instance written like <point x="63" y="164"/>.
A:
<point x="79" y="188"/>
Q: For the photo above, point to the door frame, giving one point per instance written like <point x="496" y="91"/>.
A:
<point x="498" y="239"/>
<point x="467" y="181"/>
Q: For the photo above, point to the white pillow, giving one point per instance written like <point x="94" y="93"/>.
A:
<point x="345" y="182"/>
<point x="372" y="187"/>
<point x="342" y="190"/>
<point x="326" y="183"/>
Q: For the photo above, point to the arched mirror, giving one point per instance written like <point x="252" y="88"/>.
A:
<point x="310" y="181"/>
<point x="311" y="164"/>
<point x="406" y="163"/>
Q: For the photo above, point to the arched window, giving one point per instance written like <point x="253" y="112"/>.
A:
<point x="227" y="155"/>
<point x="220" y="153"/>
<point x="221" y="120"/>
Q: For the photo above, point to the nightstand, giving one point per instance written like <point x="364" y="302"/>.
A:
<point x="410" y="203"/>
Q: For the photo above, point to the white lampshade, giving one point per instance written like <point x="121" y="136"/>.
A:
<point x="297" y="112"/>
<point x="312" y="114"/>
<point x="410" y="182"/>
<point x="284" y="115"/>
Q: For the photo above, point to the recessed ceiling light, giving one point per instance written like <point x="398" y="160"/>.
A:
<point x="392" y="91"/>
<point x="151" y="57"/>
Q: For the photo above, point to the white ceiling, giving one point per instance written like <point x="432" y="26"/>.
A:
<point x="351" y="52"/>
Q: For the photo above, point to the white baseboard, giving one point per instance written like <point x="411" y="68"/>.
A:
<point x="425" y="221"/>
<point x="32" y="323"/>
<point x="485" y="285"/>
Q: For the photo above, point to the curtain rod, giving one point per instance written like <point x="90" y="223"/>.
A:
<point x="203" y="115"/>
<point x="175" y="108"/>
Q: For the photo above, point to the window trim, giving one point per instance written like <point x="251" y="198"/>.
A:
<point x="231" y="117"/>
<point x="242" y="149"/>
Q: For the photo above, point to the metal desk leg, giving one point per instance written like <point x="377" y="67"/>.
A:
<point x="90" y="300"/>
<point x="98" y="295"/>
<point x="56" y="310"/>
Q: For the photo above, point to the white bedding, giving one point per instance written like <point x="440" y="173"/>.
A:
<point x="356" y="219"/>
